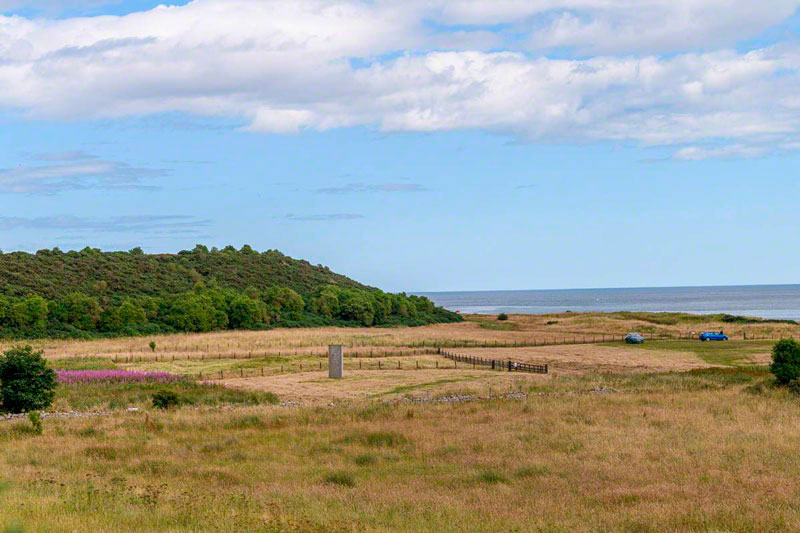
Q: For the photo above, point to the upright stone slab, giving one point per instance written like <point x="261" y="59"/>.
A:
<point x="335" y="361"/>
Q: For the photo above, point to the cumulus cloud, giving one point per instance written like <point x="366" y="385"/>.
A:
<point x="422" y="65"/>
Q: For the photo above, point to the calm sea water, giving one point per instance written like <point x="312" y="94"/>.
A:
<point x="767" y="301"/>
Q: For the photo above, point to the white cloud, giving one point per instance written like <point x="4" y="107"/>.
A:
<point x="286" y="66"/>
<point x="696" y="153"/>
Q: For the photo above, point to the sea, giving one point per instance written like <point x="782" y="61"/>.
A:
<point x="765" y="301"/>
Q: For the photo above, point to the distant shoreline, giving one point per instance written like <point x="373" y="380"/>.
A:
<point x="762" y="301"/>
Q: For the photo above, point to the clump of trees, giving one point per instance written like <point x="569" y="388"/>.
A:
<point x="89" y="293"/>
<point x="209" y="307"/>
<point x="26" y="382"/>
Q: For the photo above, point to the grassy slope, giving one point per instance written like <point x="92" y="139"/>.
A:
<point x="53" y="274"/>
<point x="690" y="451"/>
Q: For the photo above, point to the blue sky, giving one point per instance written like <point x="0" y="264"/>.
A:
<point x="472" y="147"/>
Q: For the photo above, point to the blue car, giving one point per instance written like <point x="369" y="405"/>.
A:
<point x="713" y="336"/>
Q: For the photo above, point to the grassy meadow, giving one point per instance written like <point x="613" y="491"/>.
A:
<point x="672" y="435"/>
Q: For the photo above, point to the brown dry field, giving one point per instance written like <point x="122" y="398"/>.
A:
<point x="616" y="438"/>
<point x="583" y="358"/>
<point x="314" y="388"/>
<point x="481" y="330"/>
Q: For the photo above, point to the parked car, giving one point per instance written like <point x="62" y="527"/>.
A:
<point x="634" y="338"/>
<point x="713" y="336"/>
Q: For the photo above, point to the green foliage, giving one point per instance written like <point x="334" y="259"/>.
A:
<point x="78" y="310"/>
<point x="26" y="382"/>
<point x="36" y="422"/>
<point x="152" y="346"/>
<point x="502" y="316"/>
<point x="194" y="291"/>
<point x="166" y="399"/>
<point x="54" y="274"/>
<point x="786" y="361"/>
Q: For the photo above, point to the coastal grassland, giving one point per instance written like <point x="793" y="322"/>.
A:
<point x="718" y="353"/>
<point x="709" y="449"/>
<point x="477" y="331"/>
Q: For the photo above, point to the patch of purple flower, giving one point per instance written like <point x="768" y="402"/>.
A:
<point x="71" y="377"/>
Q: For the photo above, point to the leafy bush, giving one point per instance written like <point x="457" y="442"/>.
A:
<point x="165" y="399"/>
<point x="26" y="383"/>
<point x="502" y="316"/>
<point x="786" y="361"/>
<point x="36" y="421"/>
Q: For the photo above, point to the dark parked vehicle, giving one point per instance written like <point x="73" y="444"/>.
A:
<point x="634" y="338"/>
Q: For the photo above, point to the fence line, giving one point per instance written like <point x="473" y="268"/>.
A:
<point x="551" y="340"/>
<point x="158" y="358"/>
<point x="496" y="364"/>
<point x="299" y="368"/>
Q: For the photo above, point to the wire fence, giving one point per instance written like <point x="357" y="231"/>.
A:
<point x="265" y="371"/>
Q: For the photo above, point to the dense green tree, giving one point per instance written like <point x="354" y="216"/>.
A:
<point x="193" y="312"/>
<point x="26" y="382"/>
<point x="246" y="313"/>
<point x="78" y="310"/>
<point x="132" y="314"/>
<point x="283" y="302"/>
<point x="29" y="315"/>
<point x="325" y="301"/>
<point x="356" y="306"/>
<point x="786" y="361"/>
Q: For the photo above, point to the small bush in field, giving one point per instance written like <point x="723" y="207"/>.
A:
<point x="786" y="361"/>
<point x="502" y="316"/>
<point x="26" y="382"/>
<point x="36" y="421"/>
<point x="165" y="399"/>
<point x="152" y="346"/>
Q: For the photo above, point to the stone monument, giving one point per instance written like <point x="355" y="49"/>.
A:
<point x="336" y="361"/>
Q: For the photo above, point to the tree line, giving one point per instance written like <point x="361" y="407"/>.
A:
<point x="210" y="307"/>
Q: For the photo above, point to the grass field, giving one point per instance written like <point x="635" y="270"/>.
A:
<point x="666" y="436"/>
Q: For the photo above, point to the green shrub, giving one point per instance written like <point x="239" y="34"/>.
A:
<point x="502" y="316"/>
<point x="786" y="361"/>
<point x="36" y="421"/>
<point x="165" y="399"/>
<point x="26" y="383"/>
<point x="152" y="346"/>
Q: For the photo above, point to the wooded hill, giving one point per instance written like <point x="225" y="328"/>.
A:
<point x="53" y="274"/>
<point x="92" y="293"/>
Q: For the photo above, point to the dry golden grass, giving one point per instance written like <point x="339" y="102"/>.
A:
<point x="669" y="452"/>
<point x="665" y="450"/>
<point x="594" y="358"/>
<point x="312" y="388"/>
<point x="520" y="329"/>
